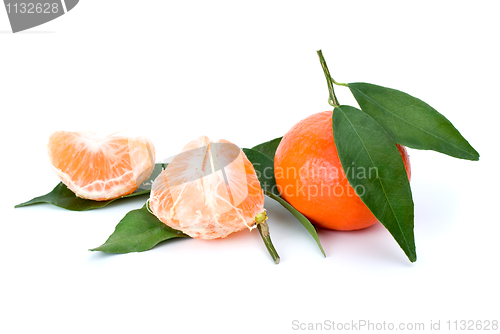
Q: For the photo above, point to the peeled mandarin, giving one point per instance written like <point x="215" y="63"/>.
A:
<point x="208" y="191"/>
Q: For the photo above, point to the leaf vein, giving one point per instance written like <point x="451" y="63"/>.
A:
<point x="381" y="184"/>
<point x="408" y="122"/>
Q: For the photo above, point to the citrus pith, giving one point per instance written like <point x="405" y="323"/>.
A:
<point x="208" y="191"/>
<point x="100" y="169"/>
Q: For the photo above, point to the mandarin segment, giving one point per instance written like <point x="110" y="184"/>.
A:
<point x="310" y="177"/>
<point x="208" y="191"/>
<point x="100" y="169"/>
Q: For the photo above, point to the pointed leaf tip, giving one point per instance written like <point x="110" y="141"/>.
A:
<point x="138" y="231"/>
<point x="63" y="197"/>
<point x="300" y="217"/>
<point x="363" y="143"/>
<point x="268" y="148"/>
<point x="411" y="121"/>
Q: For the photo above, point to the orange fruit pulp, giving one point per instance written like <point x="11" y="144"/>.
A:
<point x="100" y="169"/>
<point x="310" y="177"/>
<point x="208" y="191"/>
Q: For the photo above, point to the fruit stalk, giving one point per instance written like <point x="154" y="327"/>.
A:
<point x="333" y="99"/>
<point x="263" y="228"/>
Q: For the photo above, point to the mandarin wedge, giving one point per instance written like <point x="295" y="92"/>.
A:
<point x="101" y="169"/>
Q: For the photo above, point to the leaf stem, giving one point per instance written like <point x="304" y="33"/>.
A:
<point x="263" y="228"/>
<point x="332" y="99"/>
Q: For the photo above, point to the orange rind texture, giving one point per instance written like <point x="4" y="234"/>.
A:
<point x="310" y="177"/>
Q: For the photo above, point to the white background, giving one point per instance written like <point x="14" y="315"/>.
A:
<point x="246" y="72"/>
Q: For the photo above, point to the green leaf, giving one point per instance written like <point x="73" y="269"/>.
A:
<point x="300" y="217"/>
<point x="268" y="148"/>
<point x="264" y="168"/>
<point x="412" y="122"/>
<point x="63" y="197"/>
<point x="380" y="179"/>
<point x="138" y="231"/>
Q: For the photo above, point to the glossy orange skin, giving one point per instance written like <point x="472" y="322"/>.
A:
<point x="310" y="177"/>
